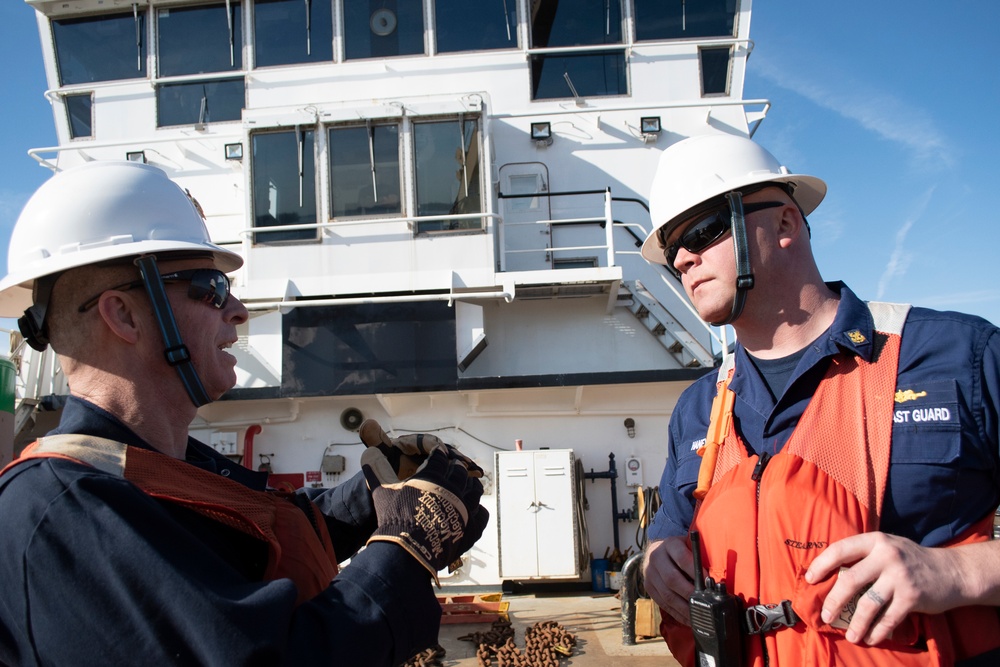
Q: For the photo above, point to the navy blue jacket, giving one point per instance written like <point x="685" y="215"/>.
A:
<point x="95" y="572"/>
<point x="944" y="470"/>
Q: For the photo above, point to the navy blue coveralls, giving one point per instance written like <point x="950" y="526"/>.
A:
<point x="95" y="572"/>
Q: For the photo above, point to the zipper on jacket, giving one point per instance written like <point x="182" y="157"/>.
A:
<point x="756" y="475"/>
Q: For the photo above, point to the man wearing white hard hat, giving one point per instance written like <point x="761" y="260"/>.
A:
<point x="122" y="539"/>
<point x="841" y="470"/>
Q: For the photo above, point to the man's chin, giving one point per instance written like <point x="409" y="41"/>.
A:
<point x="714" y="312"/>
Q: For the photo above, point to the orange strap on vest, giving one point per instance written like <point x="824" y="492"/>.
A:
<point x="299" y="546"/>
<point x="718" y="429"/>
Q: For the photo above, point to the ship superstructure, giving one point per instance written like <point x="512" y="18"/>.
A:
<point x="440" y="204"/>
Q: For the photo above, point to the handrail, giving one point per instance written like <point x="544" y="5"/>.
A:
<point x="202" y="136"/>
<point x="609" y="240"/>
<point x="450" y="297"/>
<point x="247" y="231"/>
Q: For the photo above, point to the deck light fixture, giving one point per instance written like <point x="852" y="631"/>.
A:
<point x="234" y="151"/>
<point x="649" y="126"/>
<point x="630" y="427"/>
<point x="136" y="156"/>
<point x="541" y="134"/>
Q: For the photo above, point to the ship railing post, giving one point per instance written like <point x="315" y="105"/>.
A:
<point x="609" y="228"/>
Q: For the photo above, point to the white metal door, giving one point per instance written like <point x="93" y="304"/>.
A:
<point x="526" y="232"/>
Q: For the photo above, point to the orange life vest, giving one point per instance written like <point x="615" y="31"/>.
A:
<point x="826" y="483"/>
<point x="299" y="546"/>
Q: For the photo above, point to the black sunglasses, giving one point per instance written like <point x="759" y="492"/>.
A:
<point x="208" y="285"/>
<point x="706" y="230"/>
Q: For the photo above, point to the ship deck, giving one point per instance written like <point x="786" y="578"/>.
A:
<point x="595" y="619"/>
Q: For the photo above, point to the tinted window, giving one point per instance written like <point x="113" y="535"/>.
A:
<point x="195" y="40"/>
<point x="381" y="28"/>
<point x="101" y="48"/>
<point x="78" y="108"/>
<point x="590" y="75"/>
<point x="281" y="194"/>
<point x="368" y="349"/>
<point x="447" y="173"/>
<point x="714" y="70"/>
<point x="575" y="22"/>
<point x="199" y="102"/>
<point x="656" y="19"/>
<point x="470" y="25"/>
<point x="292" y="31"/>
<point x="364" y="171"/>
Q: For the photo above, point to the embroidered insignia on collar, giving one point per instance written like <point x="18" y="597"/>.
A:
<point x="856" y="337"/>
<point x="909" y="395"/>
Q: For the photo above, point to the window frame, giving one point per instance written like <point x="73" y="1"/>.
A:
<point x="307" y="236"/>
<point x="400" y="165"/>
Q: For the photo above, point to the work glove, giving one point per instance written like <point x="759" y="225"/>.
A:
<point x="407" y="452"/>
<point x="434" y="514"/>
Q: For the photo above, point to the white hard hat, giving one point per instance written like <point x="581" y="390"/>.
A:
<point x="96" y="212"/>
<point x="696" y="170"/>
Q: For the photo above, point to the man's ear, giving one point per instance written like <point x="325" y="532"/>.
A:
<point x="118" y="312"/>
<point x="791" y="226"/>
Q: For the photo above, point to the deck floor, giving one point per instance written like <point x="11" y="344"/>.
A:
<point x="594" y="618"/>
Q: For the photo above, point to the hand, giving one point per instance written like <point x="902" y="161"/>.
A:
<point x="889" y="577"/>
<point x="667" y="575"/>
<point x="407" y="452"/>
<point x="435" y="514"/>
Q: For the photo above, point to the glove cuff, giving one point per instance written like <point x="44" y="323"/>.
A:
<point x="411" y="548"/>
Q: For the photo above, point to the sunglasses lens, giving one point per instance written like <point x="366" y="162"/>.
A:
<point x="699" y="236"/>
<point x="210" y="286"/>
<point x="704" y="233"/>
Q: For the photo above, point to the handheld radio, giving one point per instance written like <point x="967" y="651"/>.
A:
<point x="715" y="618"/>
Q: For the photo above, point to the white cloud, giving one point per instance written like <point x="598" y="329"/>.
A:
<point x="899" y="260"/>
<point x="886" y="115"/>
<point x="963" y="297"/>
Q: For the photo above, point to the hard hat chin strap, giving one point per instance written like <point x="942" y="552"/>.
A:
<point x="175" y="351"/>
<point x="744" y="273"/>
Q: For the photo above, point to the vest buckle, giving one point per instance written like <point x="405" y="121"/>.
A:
<point x="763" y="618"/>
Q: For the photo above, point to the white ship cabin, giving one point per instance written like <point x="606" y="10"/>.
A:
<point x="440" y="204"/>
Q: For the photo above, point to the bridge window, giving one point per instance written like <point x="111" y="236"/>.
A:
<point x="382" y="28"/>
<point x="100" y="48"/>
<point x="364" y="171"/>
<point x="199" y="102"/>
<point x="575" y="23"/>
<point x="446" y="154"/>
<point x="679" y="19"/>
<point x="475" y="25"/>
<point x="80" y="109"/>
<point x="715" y="70"/>
<point x="292" y="31"/>
<point x="578" y="75"/>
<point x="284" y="184"/>
<point x="196" y="40"/>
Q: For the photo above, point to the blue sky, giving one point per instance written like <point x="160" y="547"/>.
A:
<point x="892" y="103"/>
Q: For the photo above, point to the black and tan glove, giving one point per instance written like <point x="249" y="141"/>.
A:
<point x="407" y="452"/>
<point x="434" y="514"/>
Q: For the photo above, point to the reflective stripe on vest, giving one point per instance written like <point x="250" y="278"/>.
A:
<point x="827" y="483"/>
<point x="299" y="546"/>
